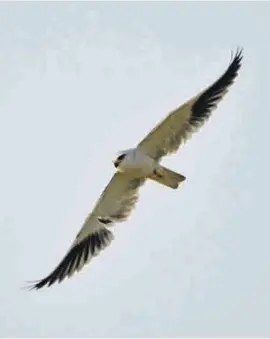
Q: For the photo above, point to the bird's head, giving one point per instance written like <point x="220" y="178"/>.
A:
<point x="119" y="158"/>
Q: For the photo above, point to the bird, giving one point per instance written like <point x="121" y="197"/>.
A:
<point x="133" y="167"/>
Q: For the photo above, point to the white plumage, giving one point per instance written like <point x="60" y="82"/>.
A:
<point x="134" y="167"/>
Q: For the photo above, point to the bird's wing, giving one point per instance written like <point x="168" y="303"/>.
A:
<point x="115" y="205"/>
<point x="179" y="125"/>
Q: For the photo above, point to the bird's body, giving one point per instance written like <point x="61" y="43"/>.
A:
<point x="134" y="167"/>
<point x="137" y="163"/>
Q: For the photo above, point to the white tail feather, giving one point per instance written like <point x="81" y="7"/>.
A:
<point x="167" y="177"/>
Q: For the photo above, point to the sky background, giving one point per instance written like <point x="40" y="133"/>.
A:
<point x="80" y="81"/>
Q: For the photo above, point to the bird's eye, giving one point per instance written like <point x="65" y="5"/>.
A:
<point x="121" y="157"/>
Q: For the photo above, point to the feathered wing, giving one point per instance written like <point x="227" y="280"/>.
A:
<point x="115" y="205"/>
<point x="179" y="125"/>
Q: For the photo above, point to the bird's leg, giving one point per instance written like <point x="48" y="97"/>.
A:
<point x="158" y="172"/>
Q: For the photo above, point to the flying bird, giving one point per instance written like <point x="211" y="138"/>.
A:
<point x="133" y="167"/>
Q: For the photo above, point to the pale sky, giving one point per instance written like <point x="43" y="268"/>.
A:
<point x="80" y="81"/>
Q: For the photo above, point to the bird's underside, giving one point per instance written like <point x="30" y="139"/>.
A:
<point x="120" y="196"/>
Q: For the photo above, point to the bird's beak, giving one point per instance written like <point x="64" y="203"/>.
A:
<point x="116" y="163"/>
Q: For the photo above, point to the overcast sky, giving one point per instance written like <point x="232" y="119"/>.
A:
<point x="80" y="81"/>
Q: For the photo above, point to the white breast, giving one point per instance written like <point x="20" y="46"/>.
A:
<point x="137" y="163"/>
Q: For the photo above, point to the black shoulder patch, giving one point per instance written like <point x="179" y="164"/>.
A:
<point x="105" y="220"/>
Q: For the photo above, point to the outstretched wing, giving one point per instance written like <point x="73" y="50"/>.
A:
<point x="115" y="205"/>
<point x="178" y="126"/>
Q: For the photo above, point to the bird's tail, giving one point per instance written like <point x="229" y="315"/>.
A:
<point x="167" y="177"/>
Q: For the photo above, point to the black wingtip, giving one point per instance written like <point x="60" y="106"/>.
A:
<point x="237" y="56"/>
<point x="38" y="284"/>
<point x="78" y="256"/>
<point x="208" y="100"/>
